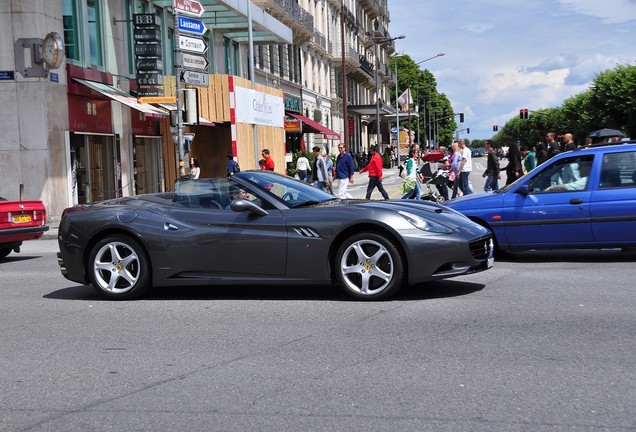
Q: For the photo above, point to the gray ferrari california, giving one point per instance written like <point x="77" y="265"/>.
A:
<point x="260" y="227"/>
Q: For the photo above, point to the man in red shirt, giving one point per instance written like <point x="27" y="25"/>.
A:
<point x="374" y="167"/>
<point x="269" y="162"/>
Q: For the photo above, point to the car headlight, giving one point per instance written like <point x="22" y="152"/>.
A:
<point x="425" y="224"/>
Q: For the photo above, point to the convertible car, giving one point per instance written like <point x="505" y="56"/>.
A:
<point x="20" y="221"/>
<point x="260" y="227"/>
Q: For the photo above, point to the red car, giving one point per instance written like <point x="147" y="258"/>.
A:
<point x="19" y="221"/>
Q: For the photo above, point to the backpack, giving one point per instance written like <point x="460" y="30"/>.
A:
<point x="237" y="168"/>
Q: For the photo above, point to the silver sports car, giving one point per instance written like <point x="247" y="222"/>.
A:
<point x="260" y="227"/>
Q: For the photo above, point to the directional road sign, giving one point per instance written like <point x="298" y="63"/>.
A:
<point x="193" y="61"/>
<point x="190" y="7"/>
<point x="191" y="25"/>
<point x="192" y="44"/>
<point x="200" y="79"/>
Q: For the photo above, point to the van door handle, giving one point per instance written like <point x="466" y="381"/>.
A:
<point x="576" y="201"/>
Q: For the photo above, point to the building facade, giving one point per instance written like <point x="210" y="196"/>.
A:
<point x="81" y="130"/>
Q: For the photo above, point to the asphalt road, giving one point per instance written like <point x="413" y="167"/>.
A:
<point x="542" y="342"/>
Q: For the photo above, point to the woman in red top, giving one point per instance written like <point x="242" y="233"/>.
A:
<point x="374" y="167"/>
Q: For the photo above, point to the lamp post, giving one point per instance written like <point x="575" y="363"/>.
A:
<point x="397" y="108"/>
<point x="377" y="41"/>
<point x="425" y="111"/>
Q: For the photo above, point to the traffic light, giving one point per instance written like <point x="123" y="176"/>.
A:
<point x="461" y="117"/>
<point x="495" y="128"/>
<point x="467" y="130"/>
<point x="523" y="114"/>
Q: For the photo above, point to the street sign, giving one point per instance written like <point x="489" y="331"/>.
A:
<point x="190" y="7"/>
<point x="193" y="61"/>
<point x="199" y="79"/>
<point x="192" y="44"/>
<point x="191" y="25"/>
<point x="157" y="99"/>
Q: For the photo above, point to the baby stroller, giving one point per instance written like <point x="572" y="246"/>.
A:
<point x="431" y="181"/>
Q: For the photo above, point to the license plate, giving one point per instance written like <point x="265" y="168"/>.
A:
<point x="22" y="218"/>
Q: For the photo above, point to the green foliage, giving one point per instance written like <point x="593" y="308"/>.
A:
<point x="610" y="102"/>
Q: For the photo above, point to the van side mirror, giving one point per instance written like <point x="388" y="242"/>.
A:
<point x="523" y="190"/>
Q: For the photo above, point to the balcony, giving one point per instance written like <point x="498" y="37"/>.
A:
<point x="366" y="66"/>
<point x="372" y="7"/>
<point x="292" y="15"/>
<point x="320" y="41"/>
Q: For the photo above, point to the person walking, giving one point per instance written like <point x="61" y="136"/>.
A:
<point x="568" y="142"/>
<point x="529" y="160"/>
<point x="374" y="168"/>
<point x="455" y="162"/>
<point x="552" y="146"/>
<point x="465" y="169"/>
<point x="492" y="173"/>
<point x="412" y="175"/>
<point x="344" y="171"/>
<point x="232" y="165"/>
<point x="302" y="167"/>
<point x="269" y="162"/>
<point x="514" y="169"/>
<point x="320" y="175"/>
<point x="195" y="168"/>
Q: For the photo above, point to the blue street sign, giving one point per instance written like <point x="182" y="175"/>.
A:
<point x="191" y="25"/>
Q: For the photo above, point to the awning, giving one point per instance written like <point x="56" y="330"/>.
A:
<point x="173" y="107"/>
<point x="122" y="97"/>
<point x="369" y="110"/>
<point x="311" y="126"/>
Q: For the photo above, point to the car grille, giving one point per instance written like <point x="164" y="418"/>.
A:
<point x="481" y="249"/>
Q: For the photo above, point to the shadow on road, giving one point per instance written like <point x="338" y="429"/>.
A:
<point x="431" y="290"/>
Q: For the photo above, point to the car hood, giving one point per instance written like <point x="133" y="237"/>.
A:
<point x="476" y="201"/>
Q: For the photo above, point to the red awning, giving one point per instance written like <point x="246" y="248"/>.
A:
<point x="311" y="126"/>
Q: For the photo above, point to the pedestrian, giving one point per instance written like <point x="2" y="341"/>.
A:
<point x="195" y="168"/>
<point x="374" y="167"/>
<point x="568" y="142"/>
<point x="465" y="169"/>
<point x="232" y="165"/>
<point x="302" y="167"/>
<point x="540" y="154"/>
<point x="269" y="162"/>
<point x="320" y="175"/>
<point x="514" y="169"/>
<point x="329" y="165"/>
<point x="344" y="171"/>
<point x="455" y="162"/>
<point x="492" y="173"/>
<point x="410" y="185"/>
<point x="552" y="146"/>
<point x="529" y="160"/>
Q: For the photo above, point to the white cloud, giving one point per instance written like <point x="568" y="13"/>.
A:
<point x="609" y="11"/>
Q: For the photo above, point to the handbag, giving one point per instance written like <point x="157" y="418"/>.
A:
<point x="408" y="184"/>
<point x="451" y="175"/>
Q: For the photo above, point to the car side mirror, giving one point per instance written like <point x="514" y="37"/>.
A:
<point x="241" y="205"/>
<point x="523" y="190"/>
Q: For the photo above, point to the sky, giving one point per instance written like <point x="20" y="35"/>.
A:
<point x="505" y="55"/>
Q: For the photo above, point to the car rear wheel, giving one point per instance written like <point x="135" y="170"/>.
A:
<point x="369" y="267"/>
<point x="118" y="268"/>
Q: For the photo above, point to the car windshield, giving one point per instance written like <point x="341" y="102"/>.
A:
<point x="288" y="190"/>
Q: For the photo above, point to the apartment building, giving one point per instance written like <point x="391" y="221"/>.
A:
<point x="73" y="130"/>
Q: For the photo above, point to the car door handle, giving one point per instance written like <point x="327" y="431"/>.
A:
<point x="576" y="201"/>
<point x="170" y="227"/>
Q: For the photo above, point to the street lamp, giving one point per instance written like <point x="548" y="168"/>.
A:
<point x="431" y="58"/>
<point x="397" y="109"/>
<point x="377" y="41"/>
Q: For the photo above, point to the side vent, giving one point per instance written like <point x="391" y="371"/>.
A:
<point x="306" y="232"/>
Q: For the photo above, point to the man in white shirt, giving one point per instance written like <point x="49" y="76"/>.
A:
<point x="465" y="169"/>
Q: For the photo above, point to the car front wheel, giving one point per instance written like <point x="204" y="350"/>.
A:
<point x="369" y="267"/>
<point x="118" y="268"/>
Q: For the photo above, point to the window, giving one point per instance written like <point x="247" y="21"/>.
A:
<point x="567" y="174"/>
<point x="82" y="21"/>
<point x="618" y="170"/>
